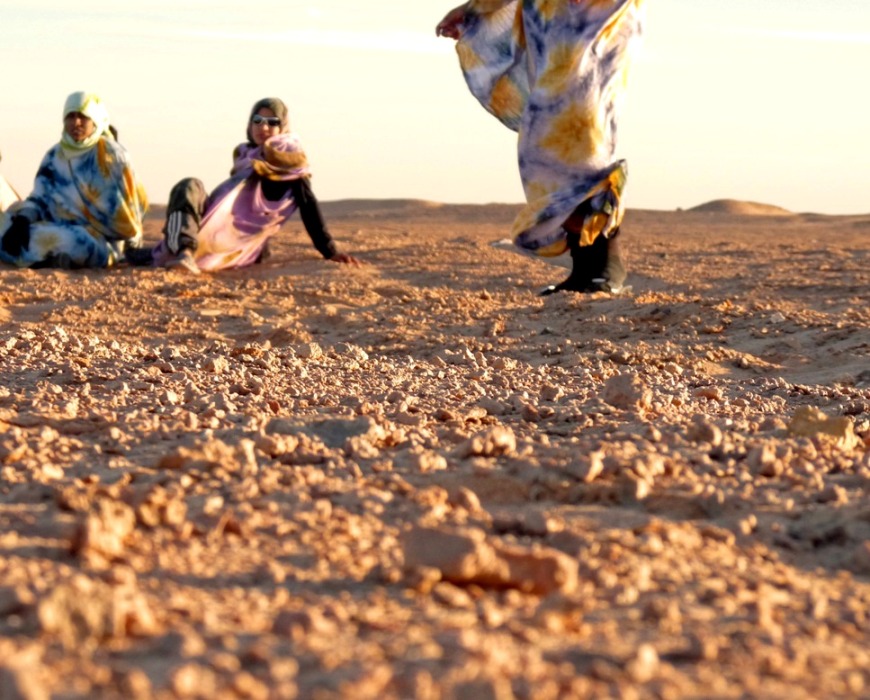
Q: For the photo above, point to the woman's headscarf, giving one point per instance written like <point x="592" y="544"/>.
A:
<point x="279" y="109"/>
<point x="92" y="107"/>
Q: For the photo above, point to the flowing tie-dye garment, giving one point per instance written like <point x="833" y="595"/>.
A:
<point x="554" y="70"/>
<point x="84" y="206"/>
<point x="238" y="219"/>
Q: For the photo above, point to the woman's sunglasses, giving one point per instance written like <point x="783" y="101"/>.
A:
<point x="271" y="121"/>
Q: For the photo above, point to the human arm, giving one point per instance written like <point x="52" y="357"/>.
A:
<point x="37" y="205"/>
<point x="454" y="21"/>
<point x="451" y="25"/>
<point x="315" y="225"/>
<point x="128" y="200"/>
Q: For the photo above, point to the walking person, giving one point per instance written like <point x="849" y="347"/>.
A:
<point x="555" y="72"/>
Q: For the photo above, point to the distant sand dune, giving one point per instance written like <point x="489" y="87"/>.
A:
<point x="737" y="207"/>
<point x="366" y="205"/>
<point x="494" y="213"/>
<point x="416" y="209"/>
<point x="401" y="209"/>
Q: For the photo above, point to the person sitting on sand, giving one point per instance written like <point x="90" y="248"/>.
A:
<point x="553" y="70"/>
<point x="8" y="196"/>
<point x="231" y="227"/>
<point x="86" y="204"/>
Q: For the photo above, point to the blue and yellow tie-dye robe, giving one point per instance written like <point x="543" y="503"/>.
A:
<point x="554" y="71"/>
<point x="86" y="206"/>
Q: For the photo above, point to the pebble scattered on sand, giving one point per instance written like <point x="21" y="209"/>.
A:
<point x="420" y="480"/>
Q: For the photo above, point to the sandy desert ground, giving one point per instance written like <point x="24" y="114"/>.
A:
<point x="418" y="479"/>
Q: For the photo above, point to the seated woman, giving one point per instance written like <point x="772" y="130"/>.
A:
<point x="231" y="227"/>
<point x="8" y="196"/>
<point x="86" y="205"/>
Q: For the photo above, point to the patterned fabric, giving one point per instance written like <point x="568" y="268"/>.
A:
<point x="280" y="158"/>
<point x="239" y="220"/>
<point x="84" y="206"/>
<point x="555" y="70"/>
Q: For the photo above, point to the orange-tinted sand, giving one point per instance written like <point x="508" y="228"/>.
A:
<point x="418" y="479"/>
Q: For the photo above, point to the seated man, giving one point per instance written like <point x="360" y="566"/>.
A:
<point x="8" y="196"/>
<point x="86" y="204"/>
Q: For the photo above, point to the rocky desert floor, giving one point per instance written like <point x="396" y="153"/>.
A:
<point x="418" y="479"/>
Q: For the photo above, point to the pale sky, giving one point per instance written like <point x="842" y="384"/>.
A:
<point x="762" y="100"/>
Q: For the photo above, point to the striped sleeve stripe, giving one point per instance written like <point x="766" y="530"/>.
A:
<point x="173" y="230"/>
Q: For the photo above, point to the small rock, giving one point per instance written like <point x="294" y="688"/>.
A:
<point x="105" y="530"/>
<point x="353" y="351"/>
<point x="711" y="393"/>
<point x="628" y="392"/>
<point x="19" y="681"/>
<point x="218" y="365"/>
<point x="248" y="686"/>
<point x="702" y="648"/>
<point x="309" y="351"/>
<point x="136" y="684"/>
<point x="298" y="624"/>
<point x="465" y="557"/>
<point x="336" y="433"/>
<point x="493" y="442"/>
<point x="459" y="555"/>
<point x="192" y="680"/>
<point x="645" y="664"/>
<point x="761" y="457"/>
<point x="811" y="422"/>
<point x="465" y="498"/>
<point x="423" y="461"/>
<point x="212" y="455"/>
<point x="587" y="468"/>
<point x="504" y="363"/>
<point x="83" y="612"/>
<point x="632" y="488"/>
<point x="703" y="430"/>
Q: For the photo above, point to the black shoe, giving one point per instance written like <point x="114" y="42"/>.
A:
<point x="588" y="268"/>
<point x="56" y="261"/>
<point x="578" y="281"/>
<point x="139" y="257"/>
<point x="597" y="268"/>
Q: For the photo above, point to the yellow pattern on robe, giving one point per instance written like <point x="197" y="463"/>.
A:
<point x="554" y="71"/>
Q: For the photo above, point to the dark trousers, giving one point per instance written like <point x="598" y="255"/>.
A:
<point x="184" y="215"/>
